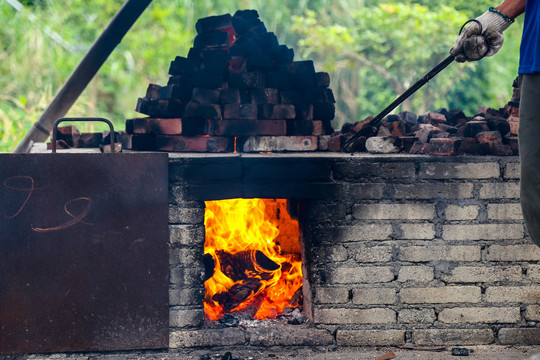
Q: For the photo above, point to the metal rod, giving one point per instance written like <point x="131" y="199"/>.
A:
<point x="349" y="145"/>
<point x="84" y="72"/>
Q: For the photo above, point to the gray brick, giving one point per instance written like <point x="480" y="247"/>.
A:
<point x="394" y="211"/>
<point x="374" y="296"/>
<point x="355" y="170"/>
<point x="186" y="296"/>
<point x="362" y="275"/>
<point x="207" y="338"/>
<point x="180" y="215"/>
<point x="512" y="170"/>
<point x="439" y="252"/>
<point x="425" y="231"/>
<point x="353" y="316"/>
<point x="519" y="336"/>
<point x="441" y="295"/>
<point x="534" y="273"/>
<point x="532" y="313"/>
<point x="482" y="232"/>
<point x="367" y="191"/>
<point x="184" y="256"/>
<point x="331" y="295"/>
<point x="466" y="212"/>
<point x="513" y="294"/>
<point x="365" y="232"/>
<point x="185" y="318"/>
<point x="454" y="170"/>
<point x="417" y="316"/>
<point x="186" y="234"/>
<point x="509" y="211"/>
<point x="370" y="337"/>
<point x="506" y="190"/>
<point x="438" y="337"/>
<point x="513" y="253"/>
<point x="415" y="274"/>
<point x="473" y="274"/>
<point x="478" y="315"/>
<point x="431" y="191"/>
<point x="331" y="254"/>
<point x="372" y="254"/>
<point x="186" y="276"/>
<point x="264" y="337"/>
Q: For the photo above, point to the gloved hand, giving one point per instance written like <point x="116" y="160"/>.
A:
<point x="472" y="46"/>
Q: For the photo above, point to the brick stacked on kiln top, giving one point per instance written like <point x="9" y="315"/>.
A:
<point x="236" y="85"/>
<point x="441" y="132"/>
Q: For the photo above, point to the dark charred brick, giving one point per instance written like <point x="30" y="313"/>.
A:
<point x="207" y="80"/>
<point x="291" y="97"/>
<point x="240" y="111"/>
<point x="498" y="124"/>
<point x="266" y="96"/>
<point x="215" y="60"/>
<point x="181" y="65"/>
<point x="304" y="111"/>
<point x="153" y="91"/>
<point x="229" y="96"/>
<point x="285" y="55"/>
<point x="247" y="80"/>
<point x="243" y="20"/>
<point x="471" y="128"/>
<point x="212" y="23"/>
<point x="455" y="117"/>
<point x="270" y="43"/>
<point x="182" y="79"/>
<point x="324" y="111"/>
<point x="137" y="142"/>
<point x="244" y="48"/>
<point x="258" y="61"/>
<point x="205" y="95"/>
<point x="318" y="94"/>
<point x="322" y="79"/>
<point x="137" y="126"/>
<point x="277" y="80"/>
<point x="214" y="39"/>
<point x="180" y="92"/>
<point x="302" y="74"/>
<point x="249" y="127"/>
<point x="398" y="129"/>
<point x="160" y="108"/>
<point x="301" y="127"/>
<point x="237" y="64"/>
<point x="276" y="112"/>
<point x="420" y="148"/>
<point x="192" y="143"/>
<point x="407" y="143"/>
<point x="444" y="146"/>
<point x="472" y="147"/>
<point x="91" y="140"/>
<point x="202" y="110"/>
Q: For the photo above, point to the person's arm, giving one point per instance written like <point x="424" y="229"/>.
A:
<point x="512" y="8"/>
<point x="484" y="36"/>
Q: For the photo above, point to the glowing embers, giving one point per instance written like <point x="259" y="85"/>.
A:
<point x="252" y="251"/>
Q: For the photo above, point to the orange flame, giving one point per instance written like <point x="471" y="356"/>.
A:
<point x="252" y="232"/>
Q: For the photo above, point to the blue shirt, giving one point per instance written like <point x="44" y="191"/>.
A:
<point x="529" y="59"/>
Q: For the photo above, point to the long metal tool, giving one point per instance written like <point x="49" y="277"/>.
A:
<point x="351" y="144"/>
<point x="84" y="72"/>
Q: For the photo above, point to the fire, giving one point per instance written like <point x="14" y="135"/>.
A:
<point x="253" y="244"/>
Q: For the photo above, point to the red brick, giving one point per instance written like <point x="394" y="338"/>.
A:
<point x="425" y="132"/>
<point x="435" y="118"/>
<point x="240" y="111"/>
<point x="192" y="143"/>
<point x="419" y="147"/>
<point x="444" y="146"/>
<point x="249" y="127"/>
<point x="398" y="129"/>
<point x="276" y="112"/>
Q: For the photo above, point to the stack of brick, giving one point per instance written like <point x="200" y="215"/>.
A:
<point x="237" y="89"/>
<point x="441" y="132"/>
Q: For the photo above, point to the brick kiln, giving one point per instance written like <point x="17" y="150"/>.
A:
<point x="393" y="250"/>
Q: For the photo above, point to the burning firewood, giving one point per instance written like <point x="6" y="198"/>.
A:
<point x="246" y="264"/>
<point x="238" y="293"/>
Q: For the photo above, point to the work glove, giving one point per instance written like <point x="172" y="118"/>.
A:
<point x="471" y="45"/>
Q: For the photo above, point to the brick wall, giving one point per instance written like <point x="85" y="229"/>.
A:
<point x="399" y="249"/>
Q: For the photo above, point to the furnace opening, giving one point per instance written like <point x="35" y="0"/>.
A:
<point x="253" y="259"/>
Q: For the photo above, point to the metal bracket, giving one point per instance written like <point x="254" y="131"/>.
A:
<point x="55" y="128"/>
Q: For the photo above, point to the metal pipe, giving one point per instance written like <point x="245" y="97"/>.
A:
<point x="84" y="72"/>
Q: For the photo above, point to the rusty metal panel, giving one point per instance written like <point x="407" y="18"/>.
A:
<point x="83" y="252"/>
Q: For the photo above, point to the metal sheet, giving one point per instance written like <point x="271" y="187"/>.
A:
<point x="83" y="252"/>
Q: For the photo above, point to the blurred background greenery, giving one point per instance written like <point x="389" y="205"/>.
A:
<point x="373" y="50"/>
